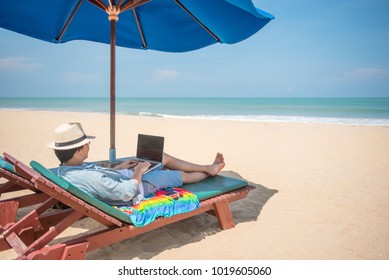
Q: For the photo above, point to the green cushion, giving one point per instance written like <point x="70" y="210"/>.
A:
<point x="205" y="189"/>
<point x="6" y="165"/>
<point x="214" y="186"/>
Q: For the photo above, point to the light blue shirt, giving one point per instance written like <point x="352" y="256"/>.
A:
<point x="107" y="185"/>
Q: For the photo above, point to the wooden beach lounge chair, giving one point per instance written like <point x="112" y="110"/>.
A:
<point x="14" y="183"/>
<point x="30" y="237"/>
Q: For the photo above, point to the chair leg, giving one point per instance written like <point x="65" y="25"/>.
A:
<point x="53" y="232"/>
<point x="8" y="211"/>
<point x="224" y="215"/>
<point x="59" y="252"/>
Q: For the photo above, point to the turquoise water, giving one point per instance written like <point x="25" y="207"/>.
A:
<point x="359" y="111"/>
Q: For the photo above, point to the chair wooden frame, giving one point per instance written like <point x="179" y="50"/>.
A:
<point x="14" y="182"/>
<point x="30" y="236"/>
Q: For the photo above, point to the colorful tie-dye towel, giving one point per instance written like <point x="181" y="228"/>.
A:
<point x="165" y="203"/>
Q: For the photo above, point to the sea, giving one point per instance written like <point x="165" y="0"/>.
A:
<point x="349" y="111"/>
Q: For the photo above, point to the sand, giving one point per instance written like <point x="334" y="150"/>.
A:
<point x="322" y="190"/>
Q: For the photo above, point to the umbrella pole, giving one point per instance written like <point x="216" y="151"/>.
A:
<point x="113" y="17"/>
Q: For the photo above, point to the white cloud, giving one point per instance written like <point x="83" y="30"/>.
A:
<point x="365" y="73"/>
<point x="165" y="75"/>
<point x="19" y="64"/>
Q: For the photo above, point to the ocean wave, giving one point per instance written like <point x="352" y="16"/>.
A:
<point x="243" y="118"/>
<point x="279" y="119"/>
<point x="148" y="114"/>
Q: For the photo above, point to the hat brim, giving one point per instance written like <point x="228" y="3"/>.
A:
<point x="52" y="145"/>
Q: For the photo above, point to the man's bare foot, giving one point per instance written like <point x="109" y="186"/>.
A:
<point x="217" y="165"/>
<point x="219" y="158"/>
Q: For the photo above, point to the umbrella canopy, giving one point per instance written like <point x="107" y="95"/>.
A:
<point x="163" y="25"/>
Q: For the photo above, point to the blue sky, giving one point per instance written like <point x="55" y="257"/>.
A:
<point x="333" y="48"/>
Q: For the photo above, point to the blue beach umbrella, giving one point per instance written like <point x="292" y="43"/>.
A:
<point x="163" y="25"/>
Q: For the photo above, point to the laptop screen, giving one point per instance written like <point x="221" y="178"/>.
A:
<point x="150" y="147"/>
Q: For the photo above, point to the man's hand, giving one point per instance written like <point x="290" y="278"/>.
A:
<point x="142" y="167"/>
<point x="128" y="164"/>
<point x="139" y="169"/>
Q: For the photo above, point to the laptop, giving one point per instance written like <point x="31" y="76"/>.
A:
<point x="150" y="148"/>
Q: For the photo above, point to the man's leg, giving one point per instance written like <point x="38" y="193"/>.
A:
<point x="193" y="177"/>
<point x="178" y="164"/>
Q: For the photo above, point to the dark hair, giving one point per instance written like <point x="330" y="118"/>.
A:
<point x="65" y="155"/>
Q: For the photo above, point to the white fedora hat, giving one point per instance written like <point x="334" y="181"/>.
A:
<point x="68" y="136"/>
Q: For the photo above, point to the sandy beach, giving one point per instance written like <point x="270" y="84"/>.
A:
<point x="322" y="191"/>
